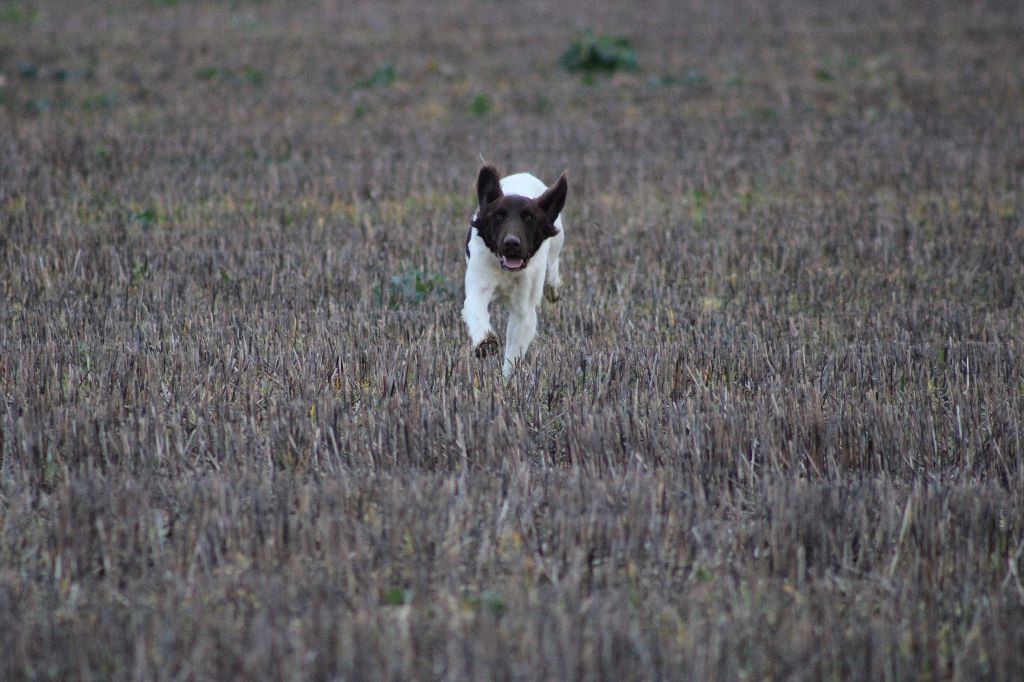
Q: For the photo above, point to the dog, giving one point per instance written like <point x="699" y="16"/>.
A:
<point x="512" y="250"/>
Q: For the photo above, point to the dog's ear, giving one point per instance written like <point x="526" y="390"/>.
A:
<point x="553" y="200"/>
<point x="488" y="186"/>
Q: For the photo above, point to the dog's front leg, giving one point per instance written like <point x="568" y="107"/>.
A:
<point x="522" y="328"/>
<point x="477" y="317"/>
<point x="553" y="280"/>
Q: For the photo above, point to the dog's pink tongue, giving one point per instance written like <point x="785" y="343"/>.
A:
<point x="513" y="263"/>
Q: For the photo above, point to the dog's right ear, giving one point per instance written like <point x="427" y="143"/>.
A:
<point x="488" y="186"/>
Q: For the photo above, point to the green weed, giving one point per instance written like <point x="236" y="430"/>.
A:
<point x="591" y="55"/>
<point x="383" y="76"/>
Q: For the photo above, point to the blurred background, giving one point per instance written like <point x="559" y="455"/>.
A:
<point x="771" y="430"/>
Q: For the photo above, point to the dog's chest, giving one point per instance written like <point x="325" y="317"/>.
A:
<point x="486" y="272"/>
<point x="511" y="286"/>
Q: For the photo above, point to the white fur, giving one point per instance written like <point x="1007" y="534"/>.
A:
<point x="520" y="291"/>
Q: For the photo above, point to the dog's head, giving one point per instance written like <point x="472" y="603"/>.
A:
<point x="514" y="227"/>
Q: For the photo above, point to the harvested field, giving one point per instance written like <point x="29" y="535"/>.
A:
<point x="771" y="431"/>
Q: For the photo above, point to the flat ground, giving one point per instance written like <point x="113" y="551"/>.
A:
<point x="772" y="430"/>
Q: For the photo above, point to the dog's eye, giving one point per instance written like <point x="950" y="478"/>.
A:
<point x="499" y="216"/>
<point x="527" y="218"/>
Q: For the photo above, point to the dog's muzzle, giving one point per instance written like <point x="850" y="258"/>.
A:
<point x="510" y="257"/>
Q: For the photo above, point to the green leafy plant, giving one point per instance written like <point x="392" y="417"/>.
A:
<point x="38" y="105"/>
<point x="415" y="286"/>
<point x="140" y="271"/>
<point x="481" y="105"/>
<point x="495" y="603"/>
<point x="382" y="77"/>
<point x="762" y="114"/>
<point x="247" y="74"/>
<point x="27" y="69"/>
<point x="490" y="600"/>
<point x="698" y="201"/>
<point x="99" y="101"/>
<point x="591" y="54"/>
<point x="253" y="75"/>
<point x="145" y="217"/>
<point x="17" y="13"/>
<point x="208" y="72"/>
<point x="695" y="77"/>
<point x="822" y="73"/>
<point x="396" y="596"/>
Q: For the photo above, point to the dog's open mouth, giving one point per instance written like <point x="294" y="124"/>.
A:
<point x="513" y="262"/>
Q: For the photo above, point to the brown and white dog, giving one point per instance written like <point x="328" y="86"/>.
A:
<point x="512" y="255"/>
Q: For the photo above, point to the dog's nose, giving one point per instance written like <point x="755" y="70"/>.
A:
<point x="511" y="242"/>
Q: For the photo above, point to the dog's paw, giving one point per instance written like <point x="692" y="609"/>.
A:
<point x="488" y="346"/>
<point x="551" y="293"/>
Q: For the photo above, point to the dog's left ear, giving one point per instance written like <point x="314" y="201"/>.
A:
<point x="553" y="200"/>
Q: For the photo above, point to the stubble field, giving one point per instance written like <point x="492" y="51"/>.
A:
<point x="772" y="429"/>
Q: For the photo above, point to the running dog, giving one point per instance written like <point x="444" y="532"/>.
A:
<point x="512" y="251"/>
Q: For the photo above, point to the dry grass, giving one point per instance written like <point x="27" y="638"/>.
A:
<point x="772" y="430"/>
